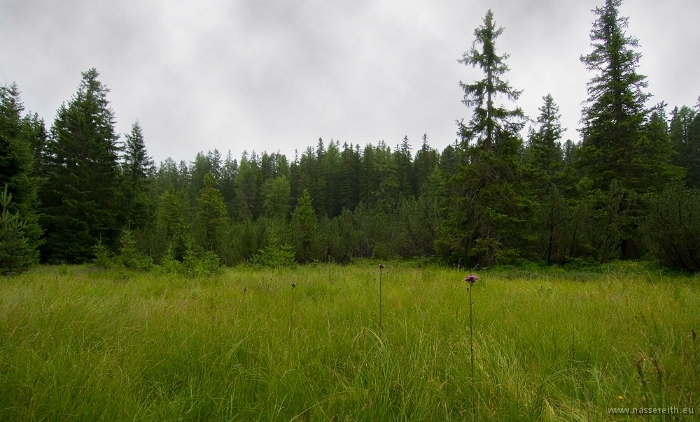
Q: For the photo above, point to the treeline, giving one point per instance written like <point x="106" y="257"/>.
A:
<point x="629" y="189"/>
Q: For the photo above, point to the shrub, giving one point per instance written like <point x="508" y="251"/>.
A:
<point x="199" y="263"/>
<point x="103" y="258"/>
<point x="129" y="256"/>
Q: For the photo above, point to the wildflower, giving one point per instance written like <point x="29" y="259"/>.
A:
<point x="381" y="266"/>
<point x="293" y="285"/>
<point x="620" y="397"/>
<point x="471" y="279"/>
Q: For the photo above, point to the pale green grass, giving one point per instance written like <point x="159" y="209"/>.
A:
<point x="80" y="344"/>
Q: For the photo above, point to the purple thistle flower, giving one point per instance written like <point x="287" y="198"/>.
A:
<point x="471" y="279"/>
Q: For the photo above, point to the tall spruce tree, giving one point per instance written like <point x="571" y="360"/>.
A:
<point x="81" y="199"/>
<point x="546" y="160"/>
<point x="486" y="206"/>
<point x="138" y="168"/>
<point x="618" y="152"/>
<point x="211" y="216"/>
<point x="20" y="139"/>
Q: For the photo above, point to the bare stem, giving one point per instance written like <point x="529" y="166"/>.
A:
<point x="380" y="297"/>
<point x="471" y="350"/>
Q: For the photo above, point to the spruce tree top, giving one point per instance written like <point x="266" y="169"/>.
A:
<point x="615" y="93"/>
<point x="488" y="120"/>
<point x="618" y="142"/>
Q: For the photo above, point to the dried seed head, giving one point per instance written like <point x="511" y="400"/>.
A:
<point x="293" y="285"/>
<point x="640" y="370"/>
<point x="381" y="266"/>
<point x="657" y="367"/>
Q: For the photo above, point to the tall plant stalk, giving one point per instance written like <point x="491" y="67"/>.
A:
<point x="471" y="280"/>
<point x="381" y="269"/>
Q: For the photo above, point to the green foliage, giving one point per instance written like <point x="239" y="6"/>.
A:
<point x="211" y="217"/>
<point x="304" y="228"/>
<point x="200" y="263"/>
<point x="21" y="139"/>
<point x="103" y="257"/>
<point x="137" y="168"/>
<point x="81" y="199"/>
<point x="673" y="227"/>
<point x="248" y="188"/>
<point x="486" y="204"/>
<point x="129" y="256"/>
<point x="622" y="144"/>
<point x="172" y="223"/>
<point x="545" y="158"/>
<point x="275" y="254"/>
<point x="17" y="254"/>
<point x="276" y="193"/>
<point x="196" y="263"/>
<point x="685" y="139"/>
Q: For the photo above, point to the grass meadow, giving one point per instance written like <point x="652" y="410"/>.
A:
<point x="80" y="343"/>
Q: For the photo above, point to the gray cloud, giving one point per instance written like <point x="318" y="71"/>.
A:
<point x="277" y="75"/>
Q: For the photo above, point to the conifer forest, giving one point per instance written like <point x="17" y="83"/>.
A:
<point x="510" y="190"/>
<point x="513" y="275"/>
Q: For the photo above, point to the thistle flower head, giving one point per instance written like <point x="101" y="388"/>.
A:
<point x="381" y="266"/>
<point x="471" y="279"/>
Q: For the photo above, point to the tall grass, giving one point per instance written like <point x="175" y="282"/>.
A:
<point x="77" y="343"/>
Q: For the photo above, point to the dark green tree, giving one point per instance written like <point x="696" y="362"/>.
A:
<point x="546" y="161"/>
<point x="617" y="147"/>
<point x="349" y="175"/>
<point x="211" y="216"/>
<point x="276" y="197"/>
<point x="17" y="254"/>
<point x="486" y="205"/>
<point x="138" y="169"/>
<point x="304" y="228"/>
<point x="21" y="137"/>
<point x="685" y="140"/>
<point x="249" y="187"/>
<point x="424" y="164"/>
<point x="81" y="199"/>
<point x="173" y="224"/>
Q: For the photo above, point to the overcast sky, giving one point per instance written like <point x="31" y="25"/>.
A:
<point x="277" y="75"/>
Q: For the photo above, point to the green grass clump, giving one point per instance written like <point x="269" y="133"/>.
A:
<point x="78" y="343"/>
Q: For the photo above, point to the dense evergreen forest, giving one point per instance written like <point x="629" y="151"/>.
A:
<point x="79" y="192"/>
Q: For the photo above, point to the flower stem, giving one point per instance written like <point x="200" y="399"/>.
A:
<point x="471" y="350"/>
<point x="380" y="297"/>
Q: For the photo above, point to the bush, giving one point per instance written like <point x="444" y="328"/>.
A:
<point x="275" y="254"/>
<point x="103" y="258"/>
<point x="196" y="263"/>
<point x="673" y="227"/>
<point x="129" y="256"/>
<point x="199" y="263"/>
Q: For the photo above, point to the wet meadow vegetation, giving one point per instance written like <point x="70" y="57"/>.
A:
<point x="84" y="343"/>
